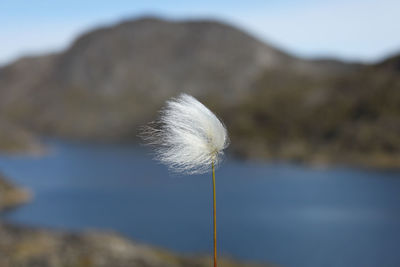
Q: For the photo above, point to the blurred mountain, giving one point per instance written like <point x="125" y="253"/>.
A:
<point x="113" y="79"/>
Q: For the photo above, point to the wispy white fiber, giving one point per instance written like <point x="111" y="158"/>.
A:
<point x="188" y="137"/>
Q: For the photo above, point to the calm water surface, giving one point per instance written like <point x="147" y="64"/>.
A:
<point x="290" y="215"/>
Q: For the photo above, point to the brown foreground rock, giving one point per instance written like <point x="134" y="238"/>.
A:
<point x="12" y="196"/>
<point x="23" y="247"/>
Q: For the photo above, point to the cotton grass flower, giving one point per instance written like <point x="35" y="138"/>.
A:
<point x="190" y="139"/>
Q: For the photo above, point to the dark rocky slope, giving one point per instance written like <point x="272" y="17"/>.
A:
<point x="347" y="118"/>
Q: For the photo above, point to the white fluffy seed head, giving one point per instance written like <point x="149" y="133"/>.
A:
<point x="188" y="137"/>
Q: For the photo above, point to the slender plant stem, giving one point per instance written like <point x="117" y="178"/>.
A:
<point x="215" y="217"/>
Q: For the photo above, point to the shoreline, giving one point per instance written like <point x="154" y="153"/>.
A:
<point x="316" y="159"/>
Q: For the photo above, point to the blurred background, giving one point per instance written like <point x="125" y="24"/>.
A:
<point x="309" y="91"/>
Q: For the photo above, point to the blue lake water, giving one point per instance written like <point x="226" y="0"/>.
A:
<point x="290" y="215"/>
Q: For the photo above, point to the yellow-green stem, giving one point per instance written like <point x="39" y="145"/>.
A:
<point x="215" y="217"/>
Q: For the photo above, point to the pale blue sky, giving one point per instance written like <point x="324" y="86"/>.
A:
<point x="366" y="30"/>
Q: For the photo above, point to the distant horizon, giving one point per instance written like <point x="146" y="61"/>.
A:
<point x="351" y="31"/>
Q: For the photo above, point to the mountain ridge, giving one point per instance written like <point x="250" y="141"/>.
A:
<point x="113" y="79"/>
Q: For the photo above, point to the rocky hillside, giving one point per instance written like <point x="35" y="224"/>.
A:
<point x="113" y="79"/>
<point x="116" y="77"/>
